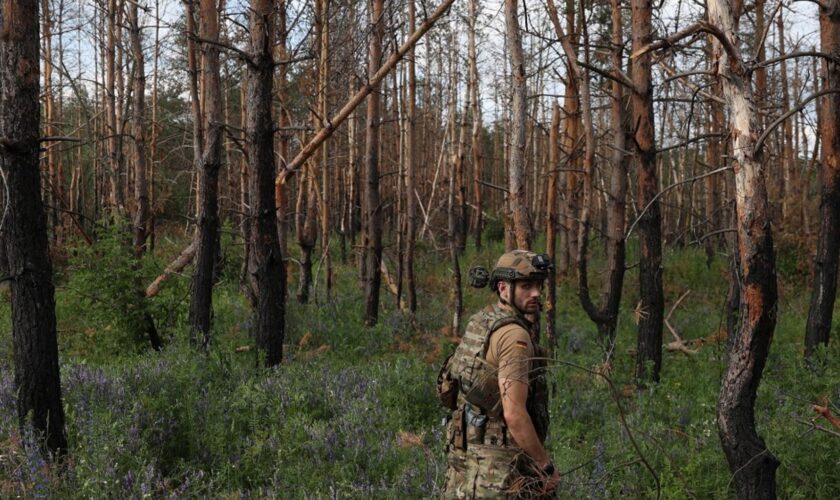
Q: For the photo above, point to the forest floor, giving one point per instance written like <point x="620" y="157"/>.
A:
<point x="352" y="412"/>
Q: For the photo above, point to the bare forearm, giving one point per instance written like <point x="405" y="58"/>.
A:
<point x="522" y="430"/>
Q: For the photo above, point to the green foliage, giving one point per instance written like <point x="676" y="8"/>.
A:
<point x="351" y="412"/>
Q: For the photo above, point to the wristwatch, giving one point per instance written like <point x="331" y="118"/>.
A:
<point x="549" y="469"/>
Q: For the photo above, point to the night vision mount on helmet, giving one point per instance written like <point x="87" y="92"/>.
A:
<point x="512" y="266"/>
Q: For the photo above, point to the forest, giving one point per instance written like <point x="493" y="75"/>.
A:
<point x="236" y="240"/>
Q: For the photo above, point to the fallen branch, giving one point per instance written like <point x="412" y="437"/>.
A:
<point x="677" y="344"/>
<point x="333" y="123"/>
<point x="175" y="266"/>
<point x="392" y="285"/>
<point x="826" y="412"/>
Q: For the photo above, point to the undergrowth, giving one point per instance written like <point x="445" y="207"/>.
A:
<point x="351" y="411"/>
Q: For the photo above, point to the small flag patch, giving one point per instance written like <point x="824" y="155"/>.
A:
<point x="523" y="345"/>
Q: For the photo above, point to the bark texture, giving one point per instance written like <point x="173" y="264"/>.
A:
<point x="516" y="164"/>
<point x="373" y="209"/>
<point x="652" y="301"/>
<point x="24" y="234"/>
<point x="209" y="161"/>
<point x="266" y="262"/>
<point x="753" y="466"/>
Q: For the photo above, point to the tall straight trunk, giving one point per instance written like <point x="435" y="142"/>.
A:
<point x="452" y="206"/>
<point x="571" y="156"/>
<point x="207" y="165"/>
<point x="113" y="128"/>
<point x="752" y="465"/>
<point x="153" y="143"/>
<point x="284" y="121"/>
<point x="714" y="155"/>
<point x="24" y="233"/>
<point x="477" y="127"/>
<point x="552" y="222"/>
<point x="373" y="210"/>
<point x="823" y="295"/>
<point x="410" y="170"/>
<point x="141" y="191"/>
<point x="790" y="195"/>
<point x="516" y="181"/>
<point x="323" y="109"/>
<point x="266" y="263"/>
<point x="649" y="344"/>
<point x="50" y="156"/>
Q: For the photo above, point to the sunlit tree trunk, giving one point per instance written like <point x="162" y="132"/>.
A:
<point x="516" y="165"/>
<point x="24" y="232"/>
<point x="753" y="466"/>
<point x="141" y="191"/>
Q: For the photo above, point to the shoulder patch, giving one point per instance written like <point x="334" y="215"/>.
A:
<point x="521" y="344"/>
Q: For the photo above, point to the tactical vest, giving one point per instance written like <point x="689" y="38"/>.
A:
<point x="478" y="380"/>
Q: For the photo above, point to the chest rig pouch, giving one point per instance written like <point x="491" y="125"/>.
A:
<point x="478" y="379"/>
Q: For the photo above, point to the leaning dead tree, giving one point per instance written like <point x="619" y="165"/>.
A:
<point x="753" y="466"/>
<point x="23" y="230"/>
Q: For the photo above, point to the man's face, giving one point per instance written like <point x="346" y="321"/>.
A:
<point x="526" y="295"/>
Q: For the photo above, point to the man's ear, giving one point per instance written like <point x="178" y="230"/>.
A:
<point x="503" y="286"/>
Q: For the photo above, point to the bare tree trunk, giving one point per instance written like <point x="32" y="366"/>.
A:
<point x="266" y="262"/>
<point x="284" y="121"/>
<point x="410" y="171"/>
<point x="552" y="223"/>
<point x="649" y="345"/>
<point x="455" y="164"/>
<point x="24" y="234"/>
<point x="141" y="192"/>
<point x="824" y="292"/>
<point x="788" y="167"/>
<point x="208" y="164"/>
<point x="153" y="143"/>
<point x="516" y="182"/>
<point x="113" y="128"/>
<point x="323" y="110"/>
<point x="751" y="463"/>
<point x="477" y="127"/>
<point x="373" y="215"/>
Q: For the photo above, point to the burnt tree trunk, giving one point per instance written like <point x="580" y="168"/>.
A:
<point x="24" y="235"/>
<point x="824" y="293"/>
<point x="373" y="208"/>
<point x="516" y="165"/>
<point x="266" y="263"/>
<point x="652" y="302"/>
<point x="208" y="163"/>
<point x="753" y="466"/>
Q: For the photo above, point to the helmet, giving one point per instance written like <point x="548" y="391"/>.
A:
<point x="520" y="265"/>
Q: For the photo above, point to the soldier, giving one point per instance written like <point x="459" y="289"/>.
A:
<point x="497" y="391"/>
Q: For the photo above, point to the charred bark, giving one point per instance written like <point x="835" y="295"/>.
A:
<point x="824" y="292"/>
<point x="24" y="235"/>
<point x="266" y="262"/>
<point x="208" y="164"/>
<point x="753" y="466"/>
<point x="373" y="208"/>
<point x="652" y="301"/>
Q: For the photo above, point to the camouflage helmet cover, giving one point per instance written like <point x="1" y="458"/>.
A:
<point x="519" y="265"/>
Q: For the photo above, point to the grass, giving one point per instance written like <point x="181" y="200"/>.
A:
<point x="352" y="411"/>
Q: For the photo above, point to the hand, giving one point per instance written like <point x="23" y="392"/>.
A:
<point x="551" y="483"/>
